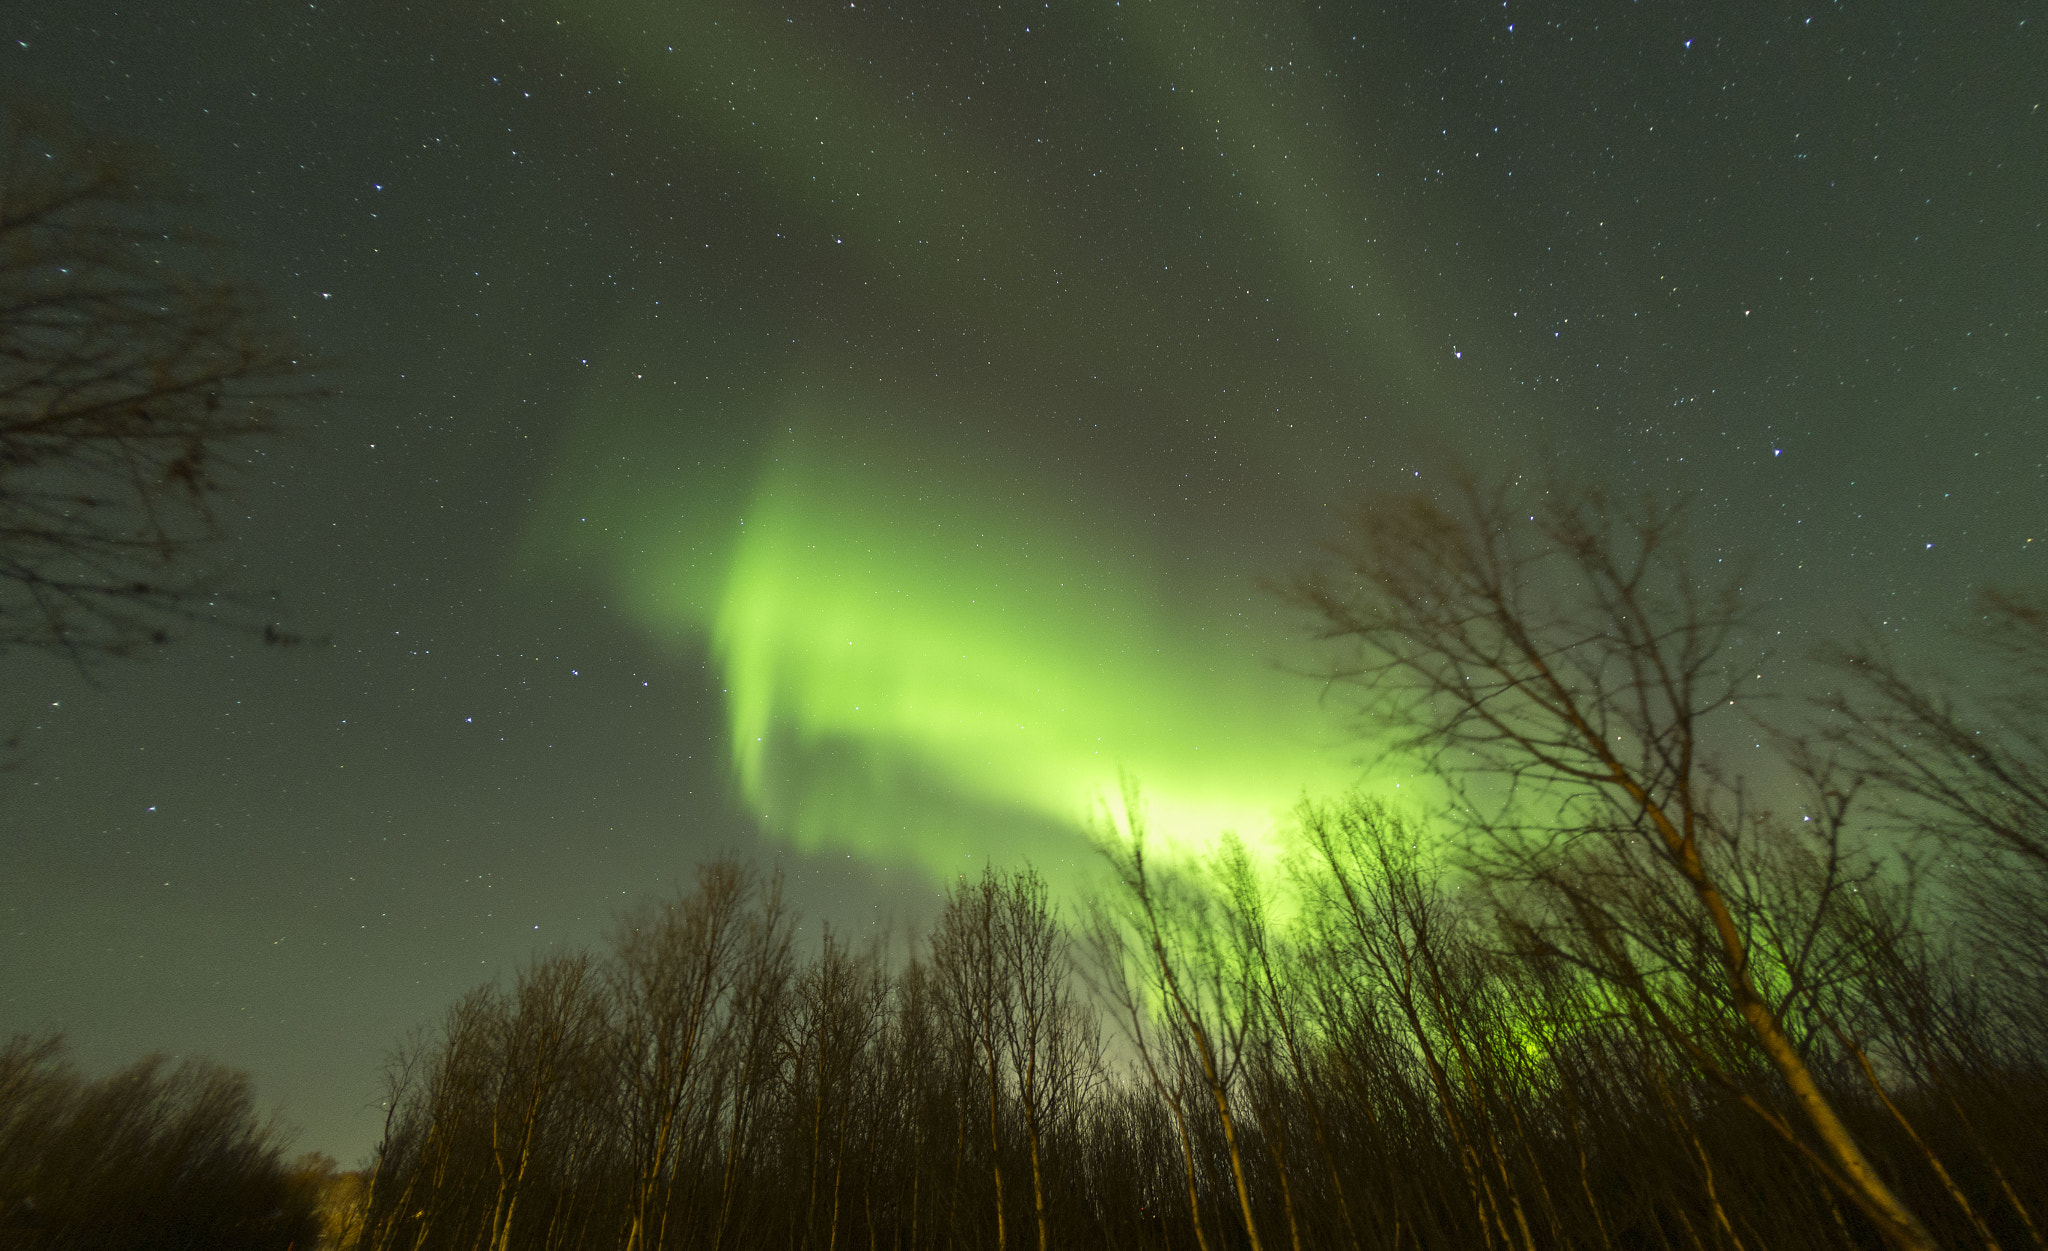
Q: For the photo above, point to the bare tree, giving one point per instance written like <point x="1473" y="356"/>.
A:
<point x="676" y="967"/>
<point x="760" y="1000"/>
<point x="1045" y="1037"/>
<point x="1557" y="660"/>
<point x="1974" y="774"/>
<point x="156" y="1155"/>
<point x="1273" y="1024"/>
<point x="1164" y="950"/>
<point x="547" y="1043"/>
<point x="834" y="1025"/>
<point x="1384" y="915"/>
<point x="1969" y="773"/>
<point x="977" y="1000"/>
<point x="128" y="374"/>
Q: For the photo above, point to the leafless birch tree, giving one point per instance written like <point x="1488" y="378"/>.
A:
<point x="1556" y="656"/>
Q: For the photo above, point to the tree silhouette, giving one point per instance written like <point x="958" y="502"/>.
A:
<point x="128" y="372"/>
<point x="1557" y="659"/>
<point x="157" y="1156"/>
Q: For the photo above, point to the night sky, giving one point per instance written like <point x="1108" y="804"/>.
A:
<point x="857" y="433"/>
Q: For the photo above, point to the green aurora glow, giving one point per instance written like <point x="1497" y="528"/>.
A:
<point x="930" y="660"/>
<point x="933" y="646"/>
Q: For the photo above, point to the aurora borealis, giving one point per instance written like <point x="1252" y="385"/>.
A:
<point x="912" y="646"/>
<point x="920" y="624"/>
<point x="865" y="433"/>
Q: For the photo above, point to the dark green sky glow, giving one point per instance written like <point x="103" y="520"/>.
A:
<point x="858" y="432"/>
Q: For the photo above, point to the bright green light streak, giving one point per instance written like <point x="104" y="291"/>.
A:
<point x="977" y="631"/>
<point x="923" y="655"/>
